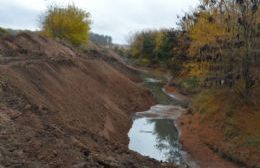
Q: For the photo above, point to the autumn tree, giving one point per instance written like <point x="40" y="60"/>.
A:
<point x="142" y="45"/>
<point x="224" y="42"/>
<point x="69" y="23"/>
<point x="163" y="48"/>
<point x="247" y="26"/>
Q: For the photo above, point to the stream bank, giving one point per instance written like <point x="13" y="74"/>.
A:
<point x="154" y="132"/>
<point x="164" y="133"/>
<point x="191" y="142"/>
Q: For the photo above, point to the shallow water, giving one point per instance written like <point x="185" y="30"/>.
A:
<point x="156" y="138"/>
<point x="153" y="132"/>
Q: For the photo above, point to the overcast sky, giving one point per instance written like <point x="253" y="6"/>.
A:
<point x="117" y="18"/>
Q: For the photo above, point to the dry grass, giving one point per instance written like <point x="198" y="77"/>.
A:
<point x="234" y="123"/>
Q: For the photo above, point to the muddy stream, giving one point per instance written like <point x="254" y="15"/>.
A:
<point x="154" y="132"/>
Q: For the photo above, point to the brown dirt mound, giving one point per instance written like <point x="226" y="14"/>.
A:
<point x="63" y="108"/>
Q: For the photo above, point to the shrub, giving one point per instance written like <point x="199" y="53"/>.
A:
<point x="3" y="82"/>
<point x="189" y="85"/>
<point x="3" y="32"/>
<point x="69" y="23"/>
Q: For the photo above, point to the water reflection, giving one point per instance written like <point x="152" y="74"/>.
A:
<point x="167" y="139"/>
<point x="156" y="138"/>
<point x="153" y="136"/>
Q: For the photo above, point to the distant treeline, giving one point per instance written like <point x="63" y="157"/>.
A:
<point x="165" y="48"/>
<point x="100" y="39"/>
<point x="4" y="32"/>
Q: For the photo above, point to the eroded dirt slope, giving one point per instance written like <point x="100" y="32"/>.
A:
<point x="66" y="108"/>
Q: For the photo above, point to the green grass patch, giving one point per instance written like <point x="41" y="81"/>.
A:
<point x="213" y="102"/>
<point x="201" y="101"/>
<point x="189" y="85"/>
<point x="253" y="140"/>
<point x="3" y="32"/>
<point x="141" y="62"/>
<point x="3" y="82"/>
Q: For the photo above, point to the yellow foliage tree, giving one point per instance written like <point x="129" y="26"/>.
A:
<point x="69" y="23"/>
<point x="205" y="30"/>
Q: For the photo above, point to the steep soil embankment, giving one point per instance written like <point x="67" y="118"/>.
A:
<point x="63" y="108"/>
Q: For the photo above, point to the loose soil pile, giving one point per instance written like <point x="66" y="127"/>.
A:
<point x="62" y="107"/>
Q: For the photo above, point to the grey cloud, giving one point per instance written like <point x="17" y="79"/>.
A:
<point x="13" y="16"/>
<point x="116" y="18"/>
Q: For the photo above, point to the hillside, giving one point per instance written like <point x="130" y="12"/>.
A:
<point x="66" y="107"/>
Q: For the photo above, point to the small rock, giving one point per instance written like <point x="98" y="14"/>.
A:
<point x="189" y="112"/>
<point x="28" y="107"/>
